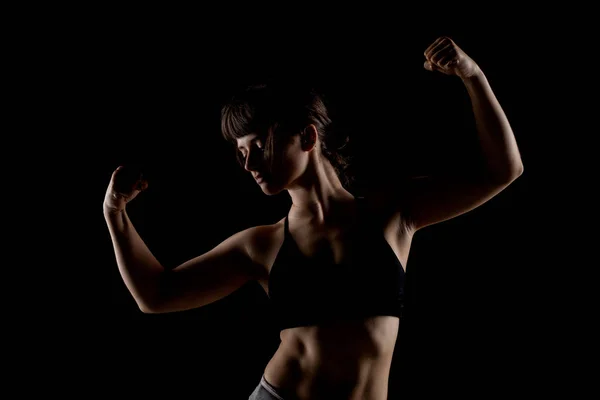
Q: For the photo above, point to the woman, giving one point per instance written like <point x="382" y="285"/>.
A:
<point x="334" y="266"/>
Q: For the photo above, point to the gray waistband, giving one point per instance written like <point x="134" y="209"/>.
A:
<point x="269" y="388"/>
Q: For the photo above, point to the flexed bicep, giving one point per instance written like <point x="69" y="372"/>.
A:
<point x="429" y="200"/>
<point x="209" y="277"/>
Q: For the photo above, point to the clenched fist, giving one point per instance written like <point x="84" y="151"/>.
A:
<point x="125" y="184"/>
<point x="445" y="56"/>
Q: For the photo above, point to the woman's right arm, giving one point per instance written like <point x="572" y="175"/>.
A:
<point x="195" y="283"/>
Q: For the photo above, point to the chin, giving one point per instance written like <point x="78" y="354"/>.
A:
<point x="270" y="189"/>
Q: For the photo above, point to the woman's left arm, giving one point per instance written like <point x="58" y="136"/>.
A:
<point x="498" y="144"/>
<point x="430" y="200"/>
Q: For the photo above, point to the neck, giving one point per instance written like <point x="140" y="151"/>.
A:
<point x="318" y="193"/>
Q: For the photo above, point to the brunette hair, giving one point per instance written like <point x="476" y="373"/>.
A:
<point x="278" y="111"/>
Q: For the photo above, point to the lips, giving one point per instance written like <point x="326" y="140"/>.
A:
<point x="259" y="178"/>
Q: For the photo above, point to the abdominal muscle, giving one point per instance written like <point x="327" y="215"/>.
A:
<point x="347" y="360"/>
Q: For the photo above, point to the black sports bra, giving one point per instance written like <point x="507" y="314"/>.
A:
<point x="312" y="291"/>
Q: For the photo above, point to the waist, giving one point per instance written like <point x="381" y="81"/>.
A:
<point x="346" y="357"/>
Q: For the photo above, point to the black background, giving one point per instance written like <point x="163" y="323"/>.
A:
<point x="146" y="88"/>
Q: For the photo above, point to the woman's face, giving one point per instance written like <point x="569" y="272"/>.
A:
<point x="289" y="162"/>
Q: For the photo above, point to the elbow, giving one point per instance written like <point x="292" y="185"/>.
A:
<point x="146" y="309"/>
<point x="508" y="175"/>
<point x="150" y="306"/>
<point x="153" y="300"/>
<point x="517" y="171"/>
<point x="154" y="309"/>
<point x="514" y="173"/>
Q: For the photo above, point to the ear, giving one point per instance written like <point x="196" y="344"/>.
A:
<point x="308" y="137"/>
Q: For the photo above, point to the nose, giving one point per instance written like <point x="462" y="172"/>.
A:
<point x="252" y="161"/>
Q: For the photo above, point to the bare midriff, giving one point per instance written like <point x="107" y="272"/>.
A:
<point x="345" y="360"/>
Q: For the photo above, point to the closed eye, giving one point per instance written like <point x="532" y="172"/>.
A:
<point x="258" y="145"/>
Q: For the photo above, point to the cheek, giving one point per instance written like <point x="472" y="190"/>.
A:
<point x="288" y="164"/>
<point x="292" y="164"/>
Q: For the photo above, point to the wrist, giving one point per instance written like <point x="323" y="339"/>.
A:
<point x="110" y="212"/>
<point x="475" y="75"/>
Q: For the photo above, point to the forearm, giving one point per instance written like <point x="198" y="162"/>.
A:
<point x="498" y="144"/>
<point x="139" y="269"/>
